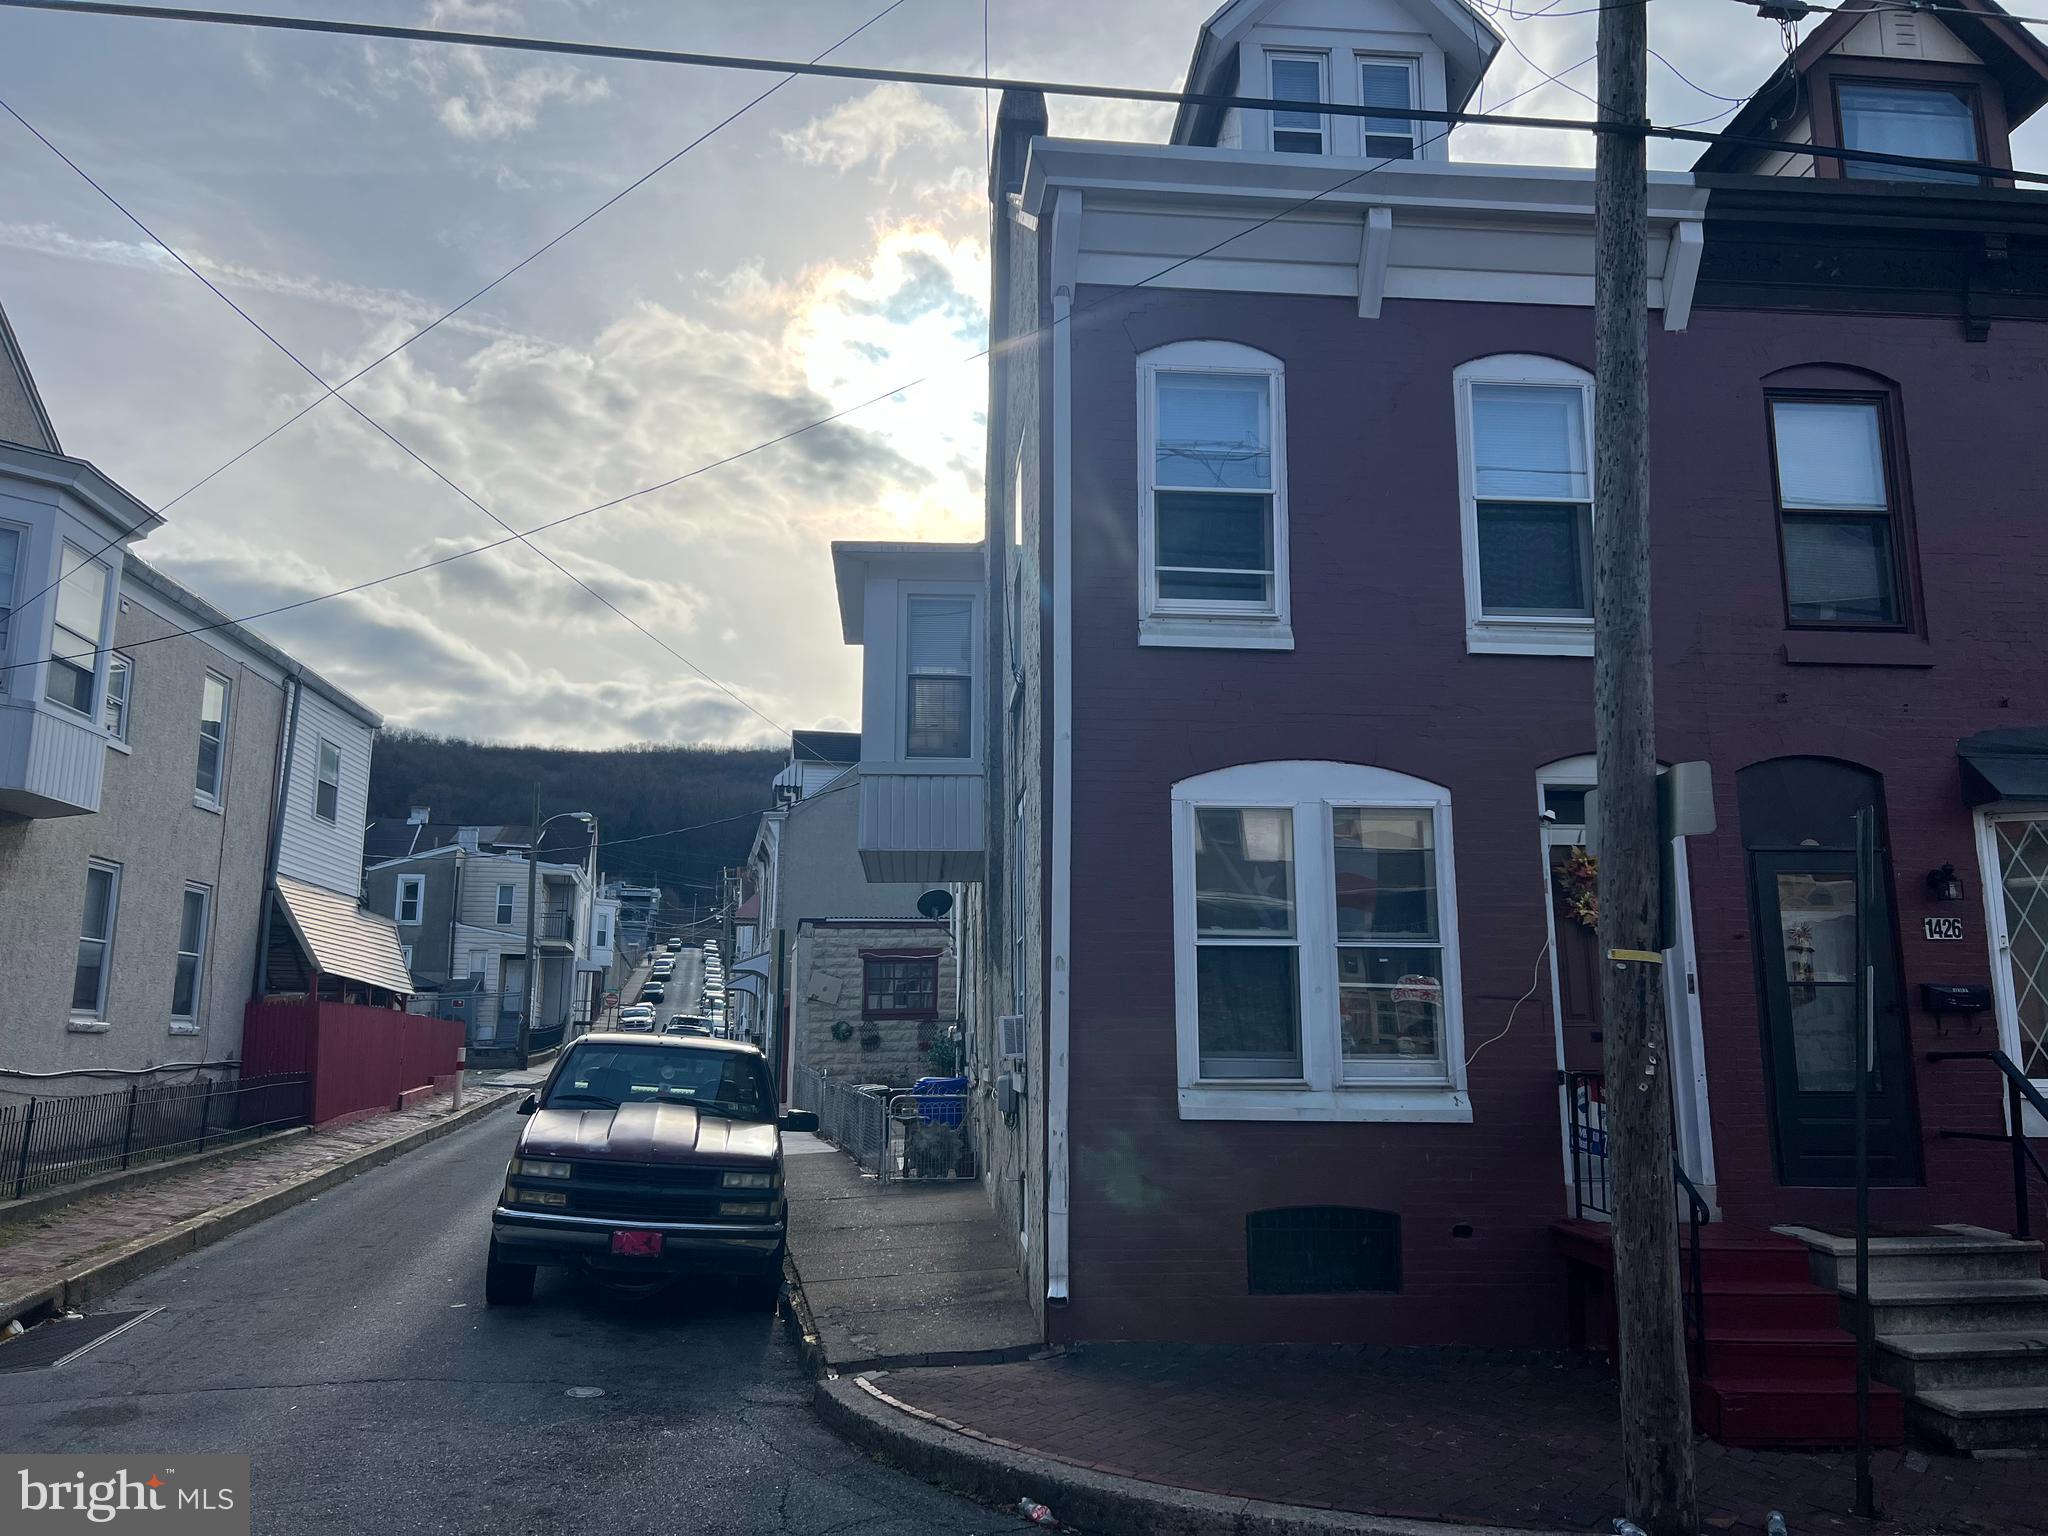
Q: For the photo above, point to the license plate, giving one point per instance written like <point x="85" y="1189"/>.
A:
<point x="641" y="1245"/>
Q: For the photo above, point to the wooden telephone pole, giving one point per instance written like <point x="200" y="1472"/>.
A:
<point x="1656" y="1406"/>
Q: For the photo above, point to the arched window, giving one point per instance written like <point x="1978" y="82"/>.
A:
<point x="1212" y="537"/>
<point x="1316" y="952"/>
<point x="1525" y="481"/>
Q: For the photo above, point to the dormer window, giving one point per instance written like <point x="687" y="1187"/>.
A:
<point x="1299" y="77"/>
<point x="1388" y="83"/>
<point x="1937" y="122"/>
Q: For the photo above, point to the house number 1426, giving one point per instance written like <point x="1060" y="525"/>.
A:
<point x="1942" y="927"/>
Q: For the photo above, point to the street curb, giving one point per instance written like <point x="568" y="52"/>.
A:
<point x="953" y="1456"/>
<point x="29" y="1207"/>
<point x="103" y="1276"/>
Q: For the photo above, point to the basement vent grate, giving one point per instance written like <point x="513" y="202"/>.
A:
<point x="1317" y="1249"/>
<point x="66" y="1338"/>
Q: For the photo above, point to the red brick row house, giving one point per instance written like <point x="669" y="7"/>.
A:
<point x="1282" y="683"/>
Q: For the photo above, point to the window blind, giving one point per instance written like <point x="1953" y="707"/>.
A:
<point x="1529" y="442"/>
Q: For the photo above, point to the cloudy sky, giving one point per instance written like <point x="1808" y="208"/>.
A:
<point x="825" y="248"/>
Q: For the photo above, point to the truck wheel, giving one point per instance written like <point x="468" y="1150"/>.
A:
<point x="506" y="1285"/>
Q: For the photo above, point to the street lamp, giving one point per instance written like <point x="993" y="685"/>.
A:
<point x="532" y="953"/>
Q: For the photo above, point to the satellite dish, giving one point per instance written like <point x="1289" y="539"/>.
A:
<point x="935" y="904"/>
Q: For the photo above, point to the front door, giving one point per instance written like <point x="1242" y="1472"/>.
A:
<point x="1806" y="906"/>
<point x="2018" y="859"/>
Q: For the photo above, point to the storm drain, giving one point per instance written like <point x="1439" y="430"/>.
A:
<point x="64" y="1339"/>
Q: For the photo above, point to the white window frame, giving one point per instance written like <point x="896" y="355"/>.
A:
<point x="1517" y="634"/>
<point x="977" y="667"/>
<point x="405" y="953"/>
<point x="417" y="885"/>
<point x="108" y="588"/>
<point x="96" y="1015"/>
<point x="7" y="601"/>
<point x="506" y="906"/>
<point x="1313" y="792"/>
<point x="1321" y="60"/>
<point x="321" y="747"/>
<point x="124" y="664"/>
<point x="1413" y="65"/>
<point x="187" y="1023"/>
<point x="213" y="799"/>
<point x="1232" y="626"/>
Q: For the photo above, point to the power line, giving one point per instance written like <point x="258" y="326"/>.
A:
<point x="944" y="80"/>
<point x="330" y="391"/>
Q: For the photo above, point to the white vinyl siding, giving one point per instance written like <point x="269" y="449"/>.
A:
<point x="311" y="848"/>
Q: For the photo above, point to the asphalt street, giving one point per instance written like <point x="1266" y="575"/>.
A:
<point x="346" y="1347"/>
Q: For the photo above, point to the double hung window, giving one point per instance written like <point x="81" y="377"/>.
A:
<point x="1299" y="77"/>
<point x="211" y="781"/>
<point x="938" y="710"/>
<point x="1837" y="513"/>
<point x="1388" y="84"/>
<point x="75" y="640"/>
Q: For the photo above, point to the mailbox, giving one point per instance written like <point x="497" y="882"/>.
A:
<point x="1940" y="997"/>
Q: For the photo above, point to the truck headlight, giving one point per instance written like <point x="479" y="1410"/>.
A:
<point x="743" y="1207"/>
<point x="750" y="1181"/>
<point x="537" y="1168"/>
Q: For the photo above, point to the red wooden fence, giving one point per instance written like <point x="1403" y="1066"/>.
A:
<point x="360" y="1058"/>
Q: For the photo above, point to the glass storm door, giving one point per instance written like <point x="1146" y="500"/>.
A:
<point x="2020" y="844"/>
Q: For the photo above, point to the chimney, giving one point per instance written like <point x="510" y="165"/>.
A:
<point x="465" y="837"/>
<point x="418" y="816"/>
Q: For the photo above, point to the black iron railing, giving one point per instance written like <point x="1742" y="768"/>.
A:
<point x="1586" y="1096"/>
<point x="55" y="1139"/>
<point x="2019" y="1093"/>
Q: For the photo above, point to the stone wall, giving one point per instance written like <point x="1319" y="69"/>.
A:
<point x="827" y="989"/>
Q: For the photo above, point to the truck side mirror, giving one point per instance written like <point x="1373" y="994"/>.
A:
<point x="529" y="1104"/>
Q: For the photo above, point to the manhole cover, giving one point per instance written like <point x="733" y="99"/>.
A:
<point x="64" y="1340"/>
<point x="584" y="1392"/>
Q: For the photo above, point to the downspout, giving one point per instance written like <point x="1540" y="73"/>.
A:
<point x="1066" y="250"/>
<point x="454" y="914"/>
<point x="287" y="744"/>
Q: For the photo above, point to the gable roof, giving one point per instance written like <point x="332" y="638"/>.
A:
<point x="2015" y="57"/>
<point x="22" y="417"/>
<point x="1468" y="39"/>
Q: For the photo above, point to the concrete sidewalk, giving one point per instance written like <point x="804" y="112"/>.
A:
<point x="900" y="1274"/>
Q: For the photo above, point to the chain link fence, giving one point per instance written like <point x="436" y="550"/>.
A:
<point x="854" y="1119"/>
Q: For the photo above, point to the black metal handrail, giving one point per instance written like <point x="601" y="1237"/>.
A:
<point x="2019" y="1092"/>
<point x="1698" y="1212"/>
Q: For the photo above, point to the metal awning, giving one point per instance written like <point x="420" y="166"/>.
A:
<point x="2011" y="764"/>
<point x="341" y="939"/>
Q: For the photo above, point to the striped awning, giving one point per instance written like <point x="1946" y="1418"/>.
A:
<point x="341" y="939"/>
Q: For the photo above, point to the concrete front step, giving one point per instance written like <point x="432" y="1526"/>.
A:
<point x="1932" y="1362"/>
<point x="1952" y="1306"/>
<point x="1957" y="1252"/>
<point x="1983" y="1418"/>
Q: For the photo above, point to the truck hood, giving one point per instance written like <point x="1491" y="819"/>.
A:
<point x="649" y="1133"/>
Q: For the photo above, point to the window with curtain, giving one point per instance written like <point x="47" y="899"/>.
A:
<point x="1390" y="971"/>
<point x="10" y="565"/>
<point x="114" y="712"/>
<point x="1837" y="514"/>
<point x="938" y="716"/>
<point x="1933" y="121"/>
<point x="213" y="738"/>
<point x="75" y="642"/>
<point x="1297" y="77"/>
<point x="191" y="954"/>
<point x="1388" y="83"/>
<point x="1213" y="491"/>
<point x="96" y="940"/>
<point x="1532" y="485"/>
<point x="327" y="786"/>
<point x="1247" y="948"/>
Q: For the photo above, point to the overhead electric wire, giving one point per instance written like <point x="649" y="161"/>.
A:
<point x="330" y="391"/>
<point x="1333" y="108"/>
<point x="947" y="80"/>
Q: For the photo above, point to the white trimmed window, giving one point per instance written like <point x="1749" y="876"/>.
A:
<point x="1525" y="480"/>
<point x="11" y="540"/>
<point x="504" y="906"/>
<point x="75" y="639"/>
<point x="412" y="894"/>
<point x="1392" y="84"/>
<point x="191" y="968"/>
<point x="114" y="712"/>
<point x="210" y="783"/>
<point x="938" y="697"/>
<point x="327" y="782"/>
<point x="1212" y="535"/>
<point x="1299" y="77"/>
<point x="1315" y="946"/>
<point x="96" y="941"/>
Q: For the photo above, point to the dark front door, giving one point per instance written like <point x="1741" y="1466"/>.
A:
<point x="1578" y="978"/>
<point x="1807" y="908"/>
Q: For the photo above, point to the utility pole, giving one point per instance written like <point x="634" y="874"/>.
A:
<point x="532" y="962"/>
<point x="1656" y="1406"/>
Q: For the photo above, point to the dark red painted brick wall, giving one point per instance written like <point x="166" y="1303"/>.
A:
<point x="1379" y="675"/>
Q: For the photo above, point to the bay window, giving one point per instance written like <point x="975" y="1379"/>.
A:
<point x="10" y="565"/>
<point x="1525" y="453"/>
<point x="75" y="640"/>
<point x="1316" y="972"/>
<point x="1213" y="533"/>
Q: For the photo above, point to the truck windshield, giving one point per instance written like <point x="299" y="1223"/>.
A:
<point x="610" y="1075"/>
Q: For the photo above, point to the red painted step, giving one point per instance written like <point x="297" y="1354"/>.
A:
<point x="1802" y="1354"/>
<point x="1741" y="1305"/>
<point x="1760" y="1411"/>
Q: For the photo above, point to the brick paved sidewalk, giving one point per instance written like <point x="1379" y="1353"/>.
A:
<point x="75" y="1234"/>
<point x="1446" y="1435"/>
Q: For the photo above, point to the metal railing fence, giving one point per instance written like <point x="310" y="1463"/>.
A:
<point x="853" y="1119"/>
<point x="930" y="1137"/>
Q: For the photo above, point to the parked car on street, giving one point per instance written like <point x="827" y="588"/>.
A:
<point x="637" y="1016"/>
<point x="643" y="1159"/>
<point x="653" y="992"/>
